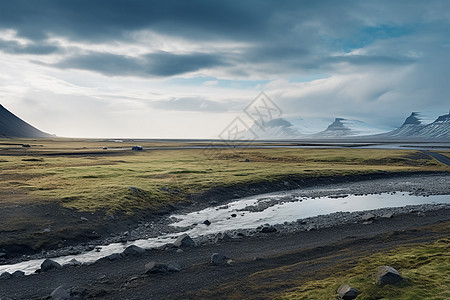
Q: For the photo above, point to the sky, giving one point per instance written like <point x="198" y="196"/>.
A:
<point x="187" y="69"/>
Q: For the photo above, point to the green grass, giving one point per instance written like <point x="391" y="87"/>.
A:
<point x="426" y="269"/>
<point x="94" y="181"/>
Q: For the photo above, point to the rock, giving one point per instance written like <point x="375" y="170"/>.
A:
<point x="158" y="268"/>
<point x="155" y="268"/>
<point x="387" y="215"/>
<point x="311" y="227"/>
<point x="184" y="240"/>
<point x="367" y="222"/>
<point x="233" y="215"/>
<point x="218" y="259"/>
<point x="73" y="262"/>
<point x="421" y="214"/>
<point x="133" y="250"/>
<point x="247" y="160"/>
<point x="387" y="275"/>
<point x="18" y="273"/>
<point x="347" y="293"/>
<point x="268" y="229"/>
<point x="207" y="222"/>
<point x="49" y="264"/>
<point x="113" y="257"/>
<point x="368" y="217"/>
<point x="84" y="219"/>
<point x="47" y="230"/>
<point x="60" y="293"/>
<point x="173" y="267"/>
<point x="222" y="236"/>
<point x="5" y="275"/>
<point x="78" y="293"/>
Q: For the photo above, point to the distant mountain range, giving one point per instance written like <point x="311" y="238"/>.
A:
<point x="417" y="125"/>
<point x="13" y="126"/>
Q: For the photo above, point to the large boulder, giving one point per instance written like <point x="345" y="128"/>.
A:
<point x="387" y="275"/>
<point x="184" y="240"/>
<point x="49" y="264"/>
<point x="346" y="292"/>
<point x="133" y="250"/>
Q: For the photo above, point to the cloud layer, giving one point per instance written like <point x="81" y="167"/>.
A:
<point x="370" y="60"/>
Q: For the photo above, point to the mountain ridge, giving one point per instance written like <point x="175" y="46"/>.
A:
<point x="13" y="126"/>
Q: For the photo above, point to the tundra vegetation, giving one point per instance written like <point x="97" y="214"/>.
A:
<point x="81" y="175"/>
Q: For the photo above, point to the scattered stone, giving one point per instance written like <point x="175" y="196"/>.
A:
<point x="368" y="217"/>
<point x="113" y="257"/>
<point x="73" y="262"/>
<point x="311" y="227"/>
<point x="421" y="214"/>
<point x="158" y="268"/>
<point x="367" y="222"/>
<point x="223" y="236"/>
<point x="218" y="259"/>
<point x="18" y="274"/>
<point x="387" y="215"/>
<point x="78" y="293"/>
<point x="347" y="293"/>
<point x="49" y="264"/>
<point x="207" y="222"/>
<point x="184" y="240"/>
<point x="60" y="293"/>
<point x="133" y="250"/>
<point x="268" y="229"/>
<point x="47" y="230"/>
<point x="5" y="275"/>
<point x="387" y="275"/>
<point x="173" y="267"/>
<point x="179" y="250"/>
<point x="84" y="219"/>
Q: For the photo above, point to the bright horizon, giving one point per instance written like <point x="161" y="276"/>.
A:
<point x="147" y="69"/>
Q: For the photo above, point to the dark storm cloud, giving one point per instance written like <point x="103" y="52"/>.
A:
<point x="37" y="49"/>
<point x="281" y="37"/>
<point x="108" y="19"/>
<point x="155" y="64"/>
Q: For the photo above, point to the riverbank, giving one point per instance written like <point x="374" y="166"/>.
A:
<point x="113" y="278"/>
<point x="97" y="230"/>
<point x="199" y="279"/>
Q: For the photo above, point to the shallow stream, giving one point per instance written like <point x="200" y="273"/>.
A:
<point x="245" y="213"/>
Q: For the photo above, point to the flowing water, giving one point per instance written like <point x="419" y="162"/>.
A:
<point x="274" y="208"/>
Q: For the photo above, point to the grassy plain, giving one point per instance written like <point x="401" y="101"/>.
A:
<point x="425" y="268"/>
<point x="79" y="174"/>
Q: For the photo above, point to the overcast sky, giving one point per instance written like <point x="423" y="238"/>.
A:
<point x="109" y="68"/>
